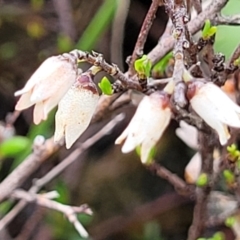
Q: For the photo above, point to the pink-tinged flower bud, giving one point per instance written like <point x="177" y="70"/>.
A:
<point x="147" y="125"/>
<point x="214" y="107"/>
<point x="47" y="86"/>
<point x="75" y="110"/>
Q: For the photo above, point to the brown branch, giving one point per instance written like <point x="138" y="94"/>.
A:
<point x="69" y="211"/>
<point x="202" y="194"/>
<point x="27" y="167"/>
<point x="163" y="47"/>
<point x="180" y="185"/>
<point x="142" y="37"/>
<point x="227" y="20"/>
<point x="39" y="183"/>
<point x="97" y="59"/>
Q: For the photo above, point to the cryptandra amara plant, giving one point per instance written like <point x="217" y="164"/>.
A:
<point x="192" y="95"/>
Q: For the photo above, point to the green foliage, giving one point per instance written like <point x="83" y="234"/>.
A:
<point x="216" y="236"/>
<point x="97" y="26"/>
<point x="202" y="180"/>
<point x="8" y="50"/>
<point x="152" y="231"/>
<point x="37" y="4"/>
<point x="143" y="66"/>
<point x="105" y="86"/>
<point x="14" y="146"/>
<point x="227" y="37"/>
<point x="229" y="176"/>
<point x="64" y="43"/>
<point x="35" y="29"/>
<point x="208" y="30"/>
<point x="5" y="207"/>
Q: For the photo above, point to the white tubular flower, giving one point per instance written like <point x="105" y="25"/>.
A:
<point x="193" y="169"/>
<point x="214" y="107"/>
<point x="147" y="125"/>
<point x="47" y="86"/>
<point x="75" y="110"/>
<point x="188" y="134"/>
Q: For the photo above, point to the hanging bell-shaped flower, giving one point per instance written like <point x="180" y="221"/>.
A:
<point x="76" y="109"/>
<point x="214" y="107"/>
<point x="147" y="125"/>
<point x="47" y="86"/>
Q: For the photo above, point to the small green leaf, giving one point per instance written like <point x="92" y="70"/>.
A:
<point x="143" y="66"/>
<point x="218" y="236"/>
<point x="206" y="28"/>
<point x="230" y="221"/>
<point x="105" y="86"/>
<point x="202" y="180"/>
<point x="160" y="67"/>
<point x="237" y="62"/>
<point x="13" y="146"/>
<point x="233" y="152"/>
<point x="229" y="176"/>
<point x="212" y="31"/>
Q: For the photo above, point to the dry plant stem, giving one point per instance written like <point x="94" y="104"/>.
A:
<point x="142" y="37"/>
<point x="180" y="186"/>
<point x="200" y="210"/>
<point x="69" y="211"/>
<point x="39" y="183"/>
<point x="227" y="20"/>
<point x="163" y="47"/>
<point x="26" y="168"/>
<point x="97" y="59"/>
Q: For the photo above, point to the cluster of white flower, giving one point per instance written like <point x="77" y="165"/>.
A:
<point x="58" y="82"/>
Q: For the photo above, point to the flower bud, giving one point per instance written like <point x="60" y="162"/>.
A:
<point x="214" y="107"/>
<point x="47" y="86"/>
<point x="147" y="125"/>
<point x="76" y="109"/>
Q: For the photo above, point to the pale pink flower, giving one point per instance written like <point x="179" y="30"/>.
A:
<point x="214" y="107"/>
<point x="75" y="110"/>
<point x="147" y="125"/>
<point x="47" y="86"/>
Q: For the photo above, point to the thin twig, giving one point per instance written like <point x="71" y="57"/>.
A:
<point x="163" y="47"/>
<point x="97" y="59"/>
<point x="227" y="20"/>
<point x="142" y="37"/>
<point x="202" y="194"/>
<point x="39" y="183"/>
<point x="69" y="211"/>
<point x="179" y="185"/>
